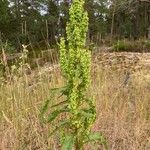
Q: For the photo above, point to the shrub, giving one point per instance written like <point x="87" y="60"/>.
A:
<point x="122" y="45"/>
<point x="147" y="45"/>
<point x="132" y="46"/>
<point x="9" y="48"/>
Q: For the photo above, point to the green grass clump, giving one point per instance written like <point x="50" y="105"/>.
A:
<point x="141" y="45"/>
<point x="121" y="45"/>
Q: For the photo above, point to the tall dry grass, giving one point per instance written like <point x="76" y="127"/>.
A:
<point x="123" y="109"/>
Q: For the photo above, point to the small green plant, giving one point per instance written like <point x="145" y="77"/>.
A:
<point x="147" y="44"/>
<point x="75" y="61"/>
<point x="9" y="48"/>
<point x="122" y="45"/>
<point x="141" y="45"/>
<point x="19" y="67"/>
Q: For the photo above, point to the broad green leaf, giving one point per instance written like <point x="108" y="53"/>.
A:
<point x="86" y="112"/>
<point x="68" y="143"/>
<point x="65" y="92"/>
<point x="58" y="89"/>
<point x="61" y="90"/>
<point x="55" y="113"/>
<point x="60" y="126"/>
<point x="46" y="104"/>
<point x="59" y="104"/>
<point x="44" y="109"/>
<point x="93" y="137"/>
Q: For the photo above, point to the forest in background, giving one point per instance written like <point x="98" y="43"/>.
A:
<point x="38" y="21"/>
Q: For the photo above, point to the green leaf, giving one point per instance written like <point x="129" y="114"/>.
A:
<point x="61" y="103"/>
<point x="44" y="109"/>
<point x="87" y="113"/>
<point x="55" y="113"/>
<point x="46" y="104"/>
<point x="93" y="137"/>
<point x="60" y="89"/>
<point x="65" y="91"/>
<point x="60" y="126"/>
<point x="68" y="143"/>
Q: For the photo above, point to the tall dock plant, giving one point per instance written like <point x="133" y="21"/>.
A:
<point x="75" y="61"/>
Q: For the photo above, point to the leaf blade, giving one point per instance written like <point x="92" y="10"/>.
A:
<point x="68" y="143"/>
<point x="93" y="137"/>
<point x="60" y="126"/>
<point x="55" y="113"/>
<point x="43" y="110"/>
<point x="59" y="104"/>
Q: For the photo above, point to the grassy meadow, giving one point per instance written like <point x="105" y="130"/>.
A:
<point x="122" y="101"/>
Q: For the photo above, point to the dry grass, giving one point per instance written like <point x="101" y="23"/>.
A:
<point x="123" y="109"/>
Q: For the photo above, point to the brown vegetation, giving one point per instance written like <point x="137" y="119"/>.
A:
<point x="122" y="99"/>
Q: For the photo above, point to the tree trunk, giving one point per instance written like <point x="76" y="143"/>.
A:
<point x="113" y="19"/>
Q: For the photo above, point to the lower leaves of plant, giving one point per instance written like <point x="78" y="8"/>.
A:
<point x="75" y="62"/>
